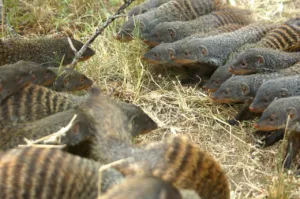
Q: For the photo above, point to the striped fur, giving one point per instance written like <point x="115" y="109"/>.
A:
<point x="184" y="10"/>
<point x="285" y="37"/>
<point x="32" y="103"/>
<point x="184" y="164"/>
<point x="42" y="173"/>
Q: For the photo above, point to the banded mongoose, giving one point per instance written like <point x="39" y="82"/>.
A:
<point x="175" y="10"/>
<point x="44" y="51"/>
<point x="36" y="102"/>
<point x="215" y="50"/>
<point x="42" y="75"/>
<point x="143" y="187"/>
<point x="244" y="89"/>
<point x="162" y="53"/>
<point x="176" y="160"/>
<point x="145" y="7"/>
<point x="34" y="172"/>
<point x="68" y="79"/>
<point x="259" y="60"/>
<point x="286" y="34"/>
<point x="276" y="116"/>
<point x="275" y="89"/>
<point x="168" y="32"/>
<point x="12" y="81"/>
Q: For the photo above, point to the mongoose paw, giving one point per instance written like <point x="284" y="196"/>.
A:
<point x="233" y="122"/>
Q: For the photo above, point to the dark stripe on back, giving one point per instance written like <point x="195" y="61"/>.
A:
<point x="195" y="7"/>
<point x="173" y="155"/>
<point x="292" y="32"/>
<point x="47" y="102"/>
<point x="43" y="168"/>
<point x="54" y="104"/>
<point x="4" y="176"/>
<point x="30" y="173"/>
<point x="273" y="41"/>
<point x="188" y="10"/>
<point x="28" y="101"/>
<point x="279" y="40"/>
<point x="219" y="19"/>
<point x="185" y="160"/>
<point x="285" y="38"/>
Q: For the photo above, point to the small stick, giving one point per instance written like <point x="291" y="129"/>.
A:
<point x="54" y="138"/>
<point x="98" y="31"/>
<point x="107" y="166"/>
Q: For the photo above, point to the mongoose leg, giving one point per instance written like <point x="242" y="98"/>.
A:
<point x="292" y="149"/>
<point x="244" y="114"/>
<point x="272" y="138"/>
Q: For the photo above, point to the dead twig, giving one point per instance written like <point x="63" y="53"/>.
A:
<point x="98" y="31"/>
<point x="54" y="138"/>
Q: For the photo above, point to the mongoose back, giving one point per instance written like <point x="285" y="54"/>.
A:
<point x="275" y="89"/>
<point x="162" y="53"/>
<point x="32" y="172"/>
<point x="36" y="102"/>
<point x="175" y="10"/>
<point x="183" y="163"/>
<point x="42" y="75"/>
<point x="68" y="79"/>
<point x="259" y="60"/>
<point x="144" y="187"/>
<point x="32" y="103"/>
<point x="168" y="32"/>
<point x="44" y="51"/>
<point x="284" y="31"/>
<point x="145" y="7"/>
<point x="215" y="50"/>
<point x="12" y="81"/>
<point x="241" y="88"/>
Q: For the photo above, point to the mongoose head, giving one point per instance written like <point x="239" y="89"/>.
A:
<point x="137" y="10"/>
<point x="232" y="90"/>
<point x="12" y="81"/>
<point x="249" y="61"/>
<point x="42" y="75"/>
<point x="266" y="94"/>
<point x="69" y="54"/>
<point x="143" y="187"/>
<point x="71" y="80"/>
<point x="185" y="54"/>
<point x="136" y="24"/>
<point x="159" y="54"/>
<point x="275" y="116"/>
<point x="217" y="79"/>
<point x="163" y="32"/>
<point x="138" y="121"/>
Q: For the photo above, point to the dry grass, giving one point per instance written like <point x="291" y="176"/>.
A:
<point x="118" y="70"/>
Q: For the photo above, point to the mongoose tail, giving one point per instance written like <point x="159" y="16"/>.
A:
<point x="184" y="164"/>
<point x="42" y="76"/>
<point x="69" y="79"/>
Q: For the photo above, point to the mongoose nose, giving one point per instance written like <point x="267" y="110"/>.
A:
<point x="117" y="36"/>
<point x="255" y="125"/>
<point x="230" y="69"/>
<point x="204" y="88"/>
<point x="251" y="108"/>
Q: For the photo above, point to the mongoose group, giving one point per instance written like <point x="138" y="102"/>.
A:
<point x="233" y="57"/>
<point x="56" y="144"/>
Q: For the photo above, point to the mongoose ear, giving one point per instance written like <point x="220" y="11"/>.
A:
<point x="292" y="112"/>
<point x="260" y="60"/>
<point x="172" y="33"/>
<point x="171" y="52"/>
<point x="284" y="92"/>
<point x="245" y="89"/>
<point x="95" y="91"/>
<point x="203" y="50"/>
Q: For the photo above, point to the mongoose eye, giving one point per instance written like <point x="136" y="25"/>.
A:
<point x="81" y="80"/>
<point x="155" y="54"/>
<point x="226" y="92"/>
<point x="244" y="64"/>
<point x="46" y="75"/>
<point x="187" y="53"/>
<point x="266" y="100"/>
<point x="216" y="82"/>
<point x="156" y="35"/>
